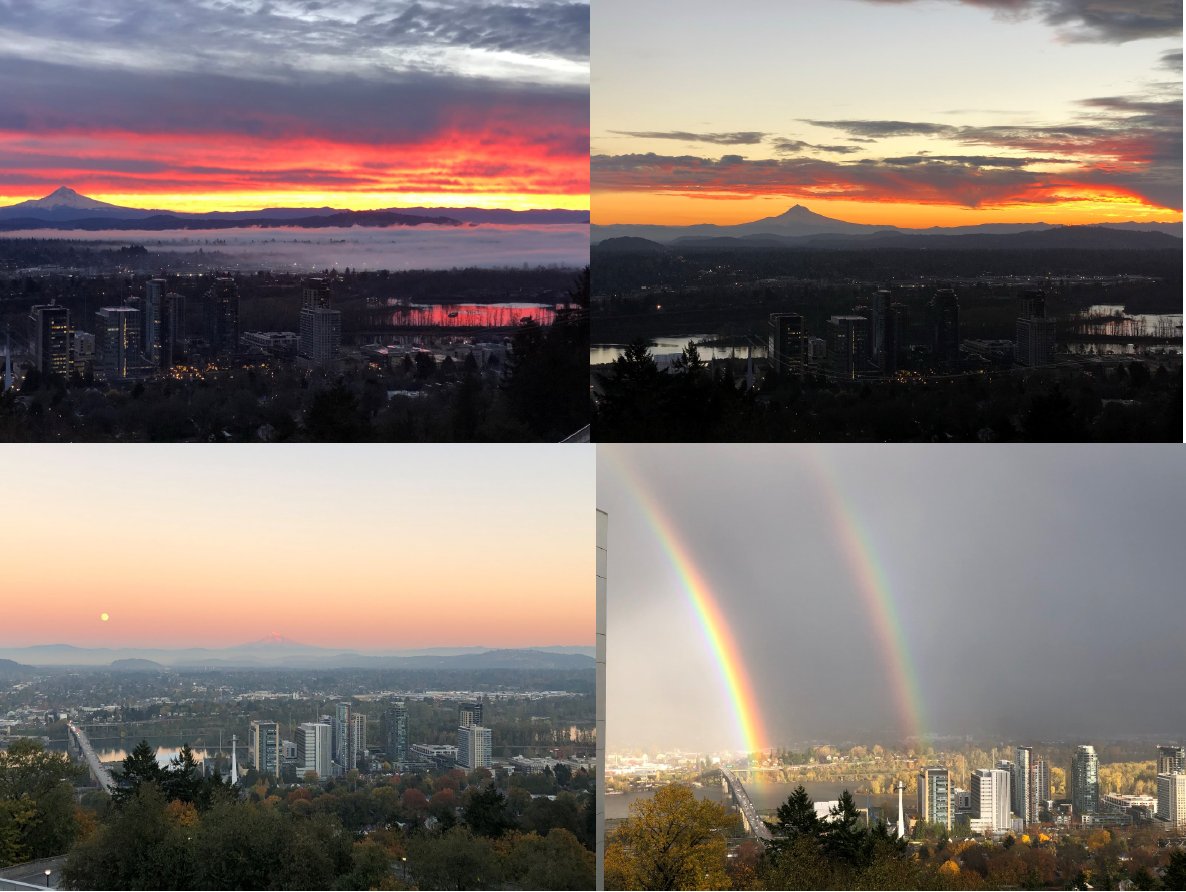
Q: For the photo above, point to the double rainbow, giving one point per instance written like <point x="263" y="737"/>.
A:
<point x="869" y="575"/>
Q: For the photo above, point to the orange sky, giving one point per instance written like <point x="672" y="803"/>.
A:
<point x="909" y="113"/>
<point x="679" y="210"/>
<point x="380" y="548"/>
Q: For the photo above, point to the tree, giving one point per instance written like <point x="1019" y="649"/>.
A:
<point x="141" y="847"/>
<point x="842" y="836"/>
<point x="486" y="812"/>
<point x="139" y="767"/>
<point x="555" y="861"/>
<point x="181" y="779"/>
<point x="1175" y="871"/>
<point x="453" y="860"/>
<point x="37" y="815"/>
<point x="671" y="841"/>
<point x="796" y="816"/>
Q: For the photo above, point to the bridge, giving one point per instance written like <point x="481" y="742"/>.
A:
<point x="99" y="772"/>
<point x="753" y="824"/>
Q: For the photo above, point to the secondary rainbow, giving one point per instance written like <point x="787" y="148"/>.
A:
<point x="712" y="620"/>
<point x="873" y="583"/>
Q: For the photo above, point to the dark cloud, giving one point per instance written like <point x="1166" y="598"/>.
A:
<point x="929" y="181"/>
<point x="975" y="160"/>
<point x="401" y="34"/>
<point x="546" y="29"/>
<point x="795" y="146"/>
<point x="1172" y="60"/>
<point x="742" y="138"/>
<point x="863" y="130"/>
<point x="1096" y="21"/>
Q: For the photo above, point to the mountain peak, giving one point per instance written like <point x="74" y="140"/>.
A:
<point x="64" y="196"/>
<point x="799" y="211"/>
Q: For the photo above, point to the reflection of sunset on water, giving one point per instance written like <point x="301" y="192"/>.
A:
<point x="471" y="315"/>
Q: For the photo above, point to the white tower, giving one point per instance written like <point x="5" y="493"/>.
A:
<point x="901" y="816"/>
<point x="234" y="763"/>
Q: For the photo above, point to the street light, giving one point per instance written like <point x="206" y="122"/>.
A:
<point x="47" y="873"/>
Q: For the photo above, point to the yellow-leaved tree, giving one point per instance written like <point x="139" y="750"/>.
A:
<point x="672" y="840"/>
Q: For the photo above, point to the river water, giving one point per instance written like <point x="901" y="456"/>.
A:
<point x="766" y="796"/>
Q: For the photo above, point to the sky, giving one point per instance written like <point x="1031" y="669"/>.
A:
<point x="894" y="112"/>
<point x="243" y="104"/>
<point x="882" y="592"/>
<point x="367" y="547"/>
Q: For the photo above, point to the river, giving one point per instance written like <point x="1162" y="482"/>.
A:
<point x="767" y="797"/>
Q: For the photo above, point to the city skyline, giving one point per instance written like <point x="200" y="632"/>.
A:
<point x="298" y="104"/>
<point x="390" y="550"/>
<point x="887" y="593"/>
<point x="891" y="112"/>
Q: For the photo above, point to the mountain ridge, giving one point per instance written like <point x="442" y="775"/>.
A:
<point x="64" y="208"/>
<point x="799" y="221"/>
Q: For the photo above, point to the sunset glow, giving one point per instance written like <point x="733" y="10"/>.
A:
<point x="381" y="549"/>
<point x="358" y="108"/>
<point x="889" y="113"/>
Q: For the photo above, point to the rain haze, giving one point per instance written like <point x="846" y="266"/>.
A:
<point x="878" y="592"/>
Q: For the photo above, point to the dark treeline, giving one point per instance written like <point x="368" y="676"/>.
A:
<point x="638" y="402"/>
<point x="617" y="272"/>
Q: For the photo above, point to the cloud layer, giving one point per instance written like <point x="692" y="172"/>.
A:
<point x="1102" y="21"/>
<point x="1119" y="147"/>
<point x="464" y="98"/>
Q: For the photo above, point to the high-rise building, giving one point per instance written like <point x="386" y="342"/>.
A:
<point x="395" y="733"/>
<point x="1023" y="757"/>
<point x="788" y="342"/>
<point x="945" y="326"/>
<point x="1170" y="759"/>
<point x="342" y="727"/>
<point x="358" y="739"/>
<point x="473" y="747"/>
<point x="1083" y="783"/>
<point x="888" y="341"/>
<point x="153" y="308"/>
<point x="118" y="354"/>
<point x="265" y="747"/>
<point x="51" y="340"/>
<point x="1040" y="787"/>
<point x="222" y="317"/>
<point x="1035" y="332"/>
<point x="848" y="346"/>
<point x="470" y="713"/>
<point x="1171" y="799"/>
<point x="313" y="743"/>
<point x="320" y="326"/>
<point x="990" y="796"/>
<point x="934" y="796"/>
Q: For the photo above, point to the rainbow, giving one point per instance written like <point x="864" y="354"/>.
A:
<point x="717" y="635"/>
<point x="873" y="584"/>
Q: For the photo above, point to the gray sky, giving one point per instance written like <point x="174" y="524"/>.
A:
<point x="1038" y="591"/>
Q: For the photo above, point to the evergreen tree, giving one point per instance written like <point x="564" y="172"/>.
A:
<point x="843" y="837"/>
<point x="139" y="767"/>
<point x="796" y="816"/>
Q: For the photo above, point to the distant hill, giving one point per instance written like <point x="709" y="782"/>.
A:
<point x="1084" y="238"/>
<point x="137" y="665"/>
<point x="278" y="652"/>
<point x="10" y="667"/>
<point x="629" y="244"/>
<point x="66" y="209"/>
<point x="800" y="223"/>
